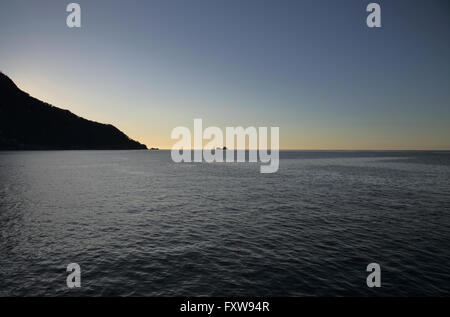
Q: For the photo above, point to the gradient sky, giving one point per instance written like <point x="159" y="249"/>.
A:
<point x="313" y="67"/>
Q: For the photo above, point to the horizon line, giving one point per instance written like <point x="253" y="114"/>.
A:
<point x="293" y="149"/>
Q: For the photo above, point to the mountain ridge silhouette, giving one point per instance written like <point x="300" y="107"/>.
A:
<point x="27" y="123"/>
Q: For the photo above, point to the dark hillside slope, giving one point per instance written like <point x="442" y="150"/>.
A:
<point x="27" y="123"/>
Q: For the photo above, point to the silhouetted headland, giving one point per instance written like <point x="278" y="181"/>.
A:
<point x="27" y="123"/>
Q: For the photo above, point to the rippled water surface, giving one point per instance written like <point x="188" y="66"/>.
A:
<point x="139" y="224"/>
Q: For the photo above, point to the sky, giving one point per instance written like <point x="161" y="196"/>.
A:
<point x="312" y="68"/>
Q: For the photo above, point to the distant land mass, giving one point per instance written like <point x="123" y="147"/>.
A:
<point x="27" y="123"/>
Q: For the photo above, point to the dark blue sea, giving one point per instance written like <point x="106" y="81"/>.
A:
<point x="139" y="224"/>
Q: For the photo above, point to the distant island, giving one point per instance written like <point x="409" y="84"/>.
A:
<point x="27" y="123"/>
